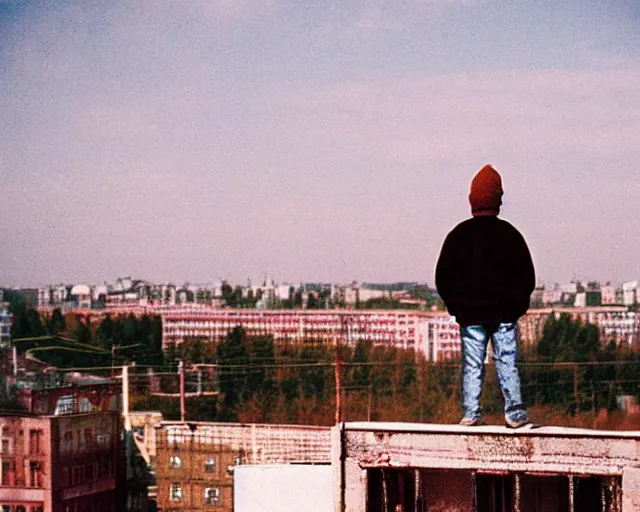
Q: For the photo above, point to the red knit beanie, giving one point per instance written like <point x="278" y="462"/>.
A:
<point x="485" y="194"/>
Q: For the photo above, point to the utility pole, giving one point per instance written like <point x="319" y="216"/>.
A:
<point x="181" y="372"/>
<point x="128" y="440"/>
<point x="125" y="397"/>
<point x="14" y="356"/>
<point x="338" y="368"/>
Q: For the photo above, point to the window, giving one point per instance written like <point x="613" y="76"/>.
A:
<point x="210" y="465"/>
<point x="68" y="441"/>
<point x="175" y="462"/>
<point x="8" y="473"/>
<point x="35" y="473"/>
<point x="65" y="477"/>
<point x="64" y="405"/>
<point x="88" y="436"/>
<point x="103" y="439"/>
<point x="76" y="475"/>
<point x="212" y="496"/>
<point x="104" y="469"/>
<point x="89" y="472"/>
<point x="175" y="492"/>
<point x="6" y="445"/>
<point x="34" y="441"/>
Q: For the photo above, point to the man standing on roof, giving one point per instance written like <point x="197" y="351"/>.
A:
<point x="485" y="277"/>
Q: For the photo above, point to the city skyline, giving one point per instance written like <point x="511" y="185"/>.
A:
<point x="331" y="142"/>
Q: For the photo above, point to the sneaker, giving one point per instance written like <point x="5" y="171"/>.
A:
<point x="470" y="422"/>
<point x="519" y="422"/>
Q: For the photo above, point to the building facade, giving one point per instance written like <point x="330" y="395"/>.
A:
<point x="60" y="463"/>
<point x="195" y="462"/>
<point x="416" y="467"/>
<point x="615" y="323"/>
<point x="436" y="335"/>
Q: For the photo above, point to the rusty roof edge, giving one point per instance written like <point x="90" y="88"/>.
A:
<point x="439" y="429"/>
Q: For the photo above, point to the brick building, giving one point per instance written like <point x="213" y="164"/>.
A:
<point x="194" y="462"/>
<point x="65" y="463"/>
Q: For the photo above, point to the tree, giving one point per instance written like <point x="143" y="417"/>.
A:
<point x="567" y="340"/>
<point x="56" y="323"/>
<point x="261" y="353"/>
<point x="105" y="333"/>
<point x="233" y="381"/>
<point x="81" y="332"/>
<point x="312" y="301"/>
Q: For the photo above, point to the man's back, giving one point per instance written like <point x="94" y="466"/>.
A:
<point x="485" y="272"/>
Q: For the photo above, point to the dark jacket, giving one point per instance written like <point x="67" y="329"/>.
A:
<point x="485" y="273"/>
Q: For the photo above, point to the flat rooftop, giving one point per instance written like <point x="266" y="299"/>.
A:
<point x="484" y="430"/>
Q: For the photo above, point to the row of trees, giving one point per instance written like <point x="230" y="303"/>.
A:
<point x="261" y="381"/>
<point x="26" y="320"/>
<point x="72" y="340"/>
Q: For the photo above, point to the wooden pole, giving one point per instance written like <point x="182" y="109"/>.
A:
<point x="182" y="408"/>
<point x="338" y="372"/>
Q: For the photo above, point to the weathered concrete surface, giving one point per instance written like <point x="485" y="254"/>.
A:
<point x="541" y="452"/>
<point x="537" y="450"/>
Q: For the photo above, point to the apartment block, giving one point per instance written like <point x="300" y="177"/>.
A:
<point x="615" y="323"/>
<point x="630" y="293"/>
<point x="435" y="335"/>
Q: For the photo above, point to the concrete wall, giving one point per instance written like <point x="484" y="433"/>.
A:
<point x="283" y="488"/>
<point x="542" y="467"/>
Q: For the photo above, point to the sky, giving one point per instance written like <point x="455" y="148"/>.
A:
<point x="312" y="140"/>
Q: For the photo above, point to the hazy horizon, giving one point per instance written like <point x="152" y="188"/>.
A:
<point x="198" y="140"/>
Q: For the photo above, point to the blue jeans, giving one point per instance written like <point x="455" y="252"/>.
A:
<point x="474" y="347"/>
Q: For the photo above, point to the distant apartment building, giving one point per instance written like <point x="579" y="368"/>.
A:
<point x="53" y="295"/>
<point x="5" y="323"/>
<point x="365" y="294"/>
<point x="562" y="294"/>
<point x="80" y="294"/>
<point x="443" y="339"/>
<point x="615" y="323"/>
<point x="195" y="461"/>
<point x="434" y="335"/>
<point x="588" y="299"/>
<point x="630" y="293"/>
<point x="609" y="295"/>
<point x="553" y="296"/>
<point x="621" y="327"/>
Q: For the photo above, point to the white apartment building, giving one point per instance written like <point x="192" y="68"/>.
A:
<point x="630" y="293"/>
<point x="609" y="295"/>
<point x="365" y="294"/>
<point x="436" y="335"/>
<point x="553" y="296"/>
<point x="621" y="327"/>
